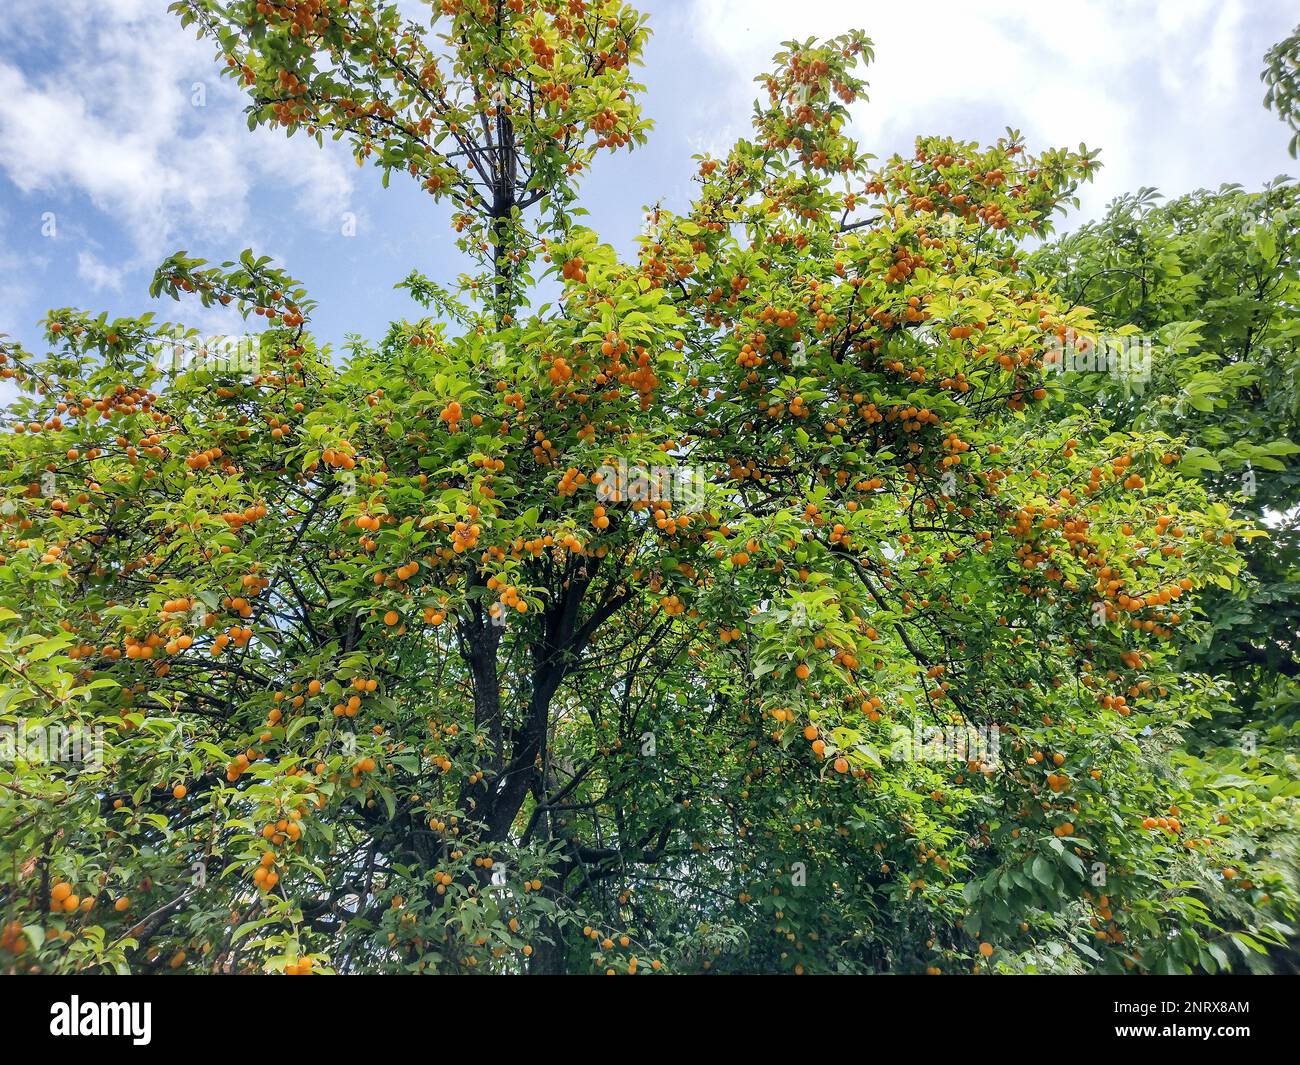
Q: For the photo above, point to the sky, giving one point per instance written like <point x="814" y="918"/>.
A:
<point x="119" y="142"/>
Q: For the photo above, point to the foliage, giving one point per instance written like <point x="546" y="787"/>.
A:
<point x="401" y="664"/>
<point x="1282" y="63"/>
<point x="1214" y="274"/>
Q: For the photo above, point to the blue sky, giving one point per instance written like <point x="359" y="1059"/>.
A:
<point x="114" y="122"/>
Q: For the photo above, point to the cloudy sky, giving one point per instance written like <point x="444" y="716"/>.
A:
<point x="119" y="143"/>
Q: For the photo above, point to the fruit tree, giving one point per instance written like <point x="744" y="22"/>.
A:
<point x="750" y="602"/>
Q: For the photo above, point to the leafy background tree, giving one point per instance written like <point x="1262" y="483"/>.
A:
<point x="395" y="670"/>
<point x="1214" y="275"/>
<point x="1281" y="64"/>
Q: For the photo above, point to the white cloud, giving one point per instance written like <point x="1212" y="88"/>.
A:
<point x="98" y="275"/>
<point x="112" y="118"/>
<point x="1168" y="91"/>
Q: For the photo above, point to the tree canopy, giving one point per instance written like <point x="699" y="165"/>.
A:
<point x="769" y="598"/>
